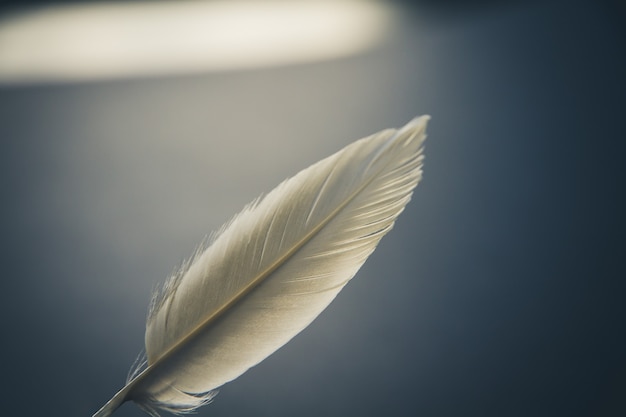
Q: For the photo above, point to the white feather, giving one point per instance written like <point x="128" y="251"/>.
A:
<point x="272" y="270"/>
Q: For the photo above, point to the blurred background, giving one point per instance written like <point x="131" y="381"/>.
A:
<point x="131" y="130"/>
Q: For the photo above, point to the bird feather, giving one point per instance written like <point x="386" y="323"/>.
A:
<point x="271" y="271"/>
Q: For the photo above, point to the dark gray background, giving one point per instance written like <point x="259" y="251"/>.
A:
<point x="499" y="293"/>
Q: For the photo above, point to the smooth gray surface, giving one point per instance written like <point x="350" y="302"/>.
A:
<point x="499" y="293"/>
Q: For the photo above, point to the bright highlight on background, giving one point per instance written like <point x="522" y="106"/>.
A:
<point x="112" y="40"/>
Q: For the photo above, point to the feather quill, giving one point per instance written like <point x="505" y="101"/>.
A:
<point x="271" y="271"/>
